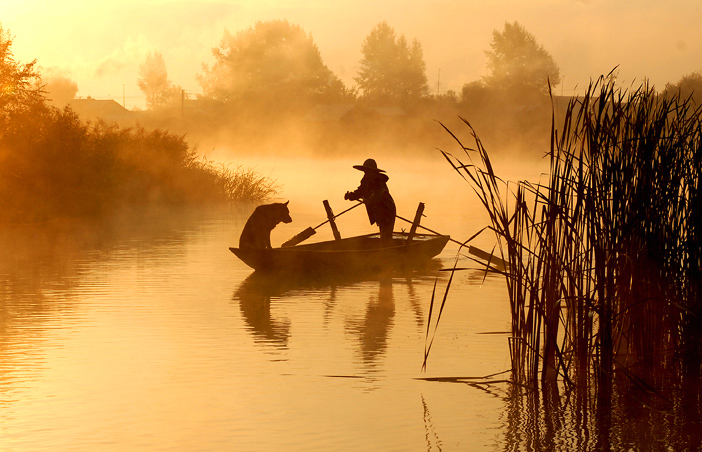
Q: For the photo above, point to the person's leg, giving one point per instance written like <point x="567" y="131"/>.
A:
<point x="386" y="229"/>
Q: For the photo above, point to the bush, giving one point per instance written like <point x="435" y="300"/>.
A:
<point x="54" y="165"/>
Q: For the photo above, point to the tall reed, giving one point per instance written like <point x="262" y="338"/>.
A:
<point x="605" y="253"/>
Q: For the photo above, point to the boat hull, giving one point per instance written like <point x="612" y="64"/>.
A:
<point x="355" y="253"/>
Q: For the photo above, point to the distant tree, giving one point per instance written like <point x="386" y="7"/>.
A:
<point x="448" y="97"/>
<point x="688" y="86"/>
<point x="153" y="81"/>
<point x="20" y="84"/>
<point x="391" y="70"/>
<point x="473" y="93"/>
<point x="413" y="76"/>
<point x="60" y="89"/>
<point x="271" y="61"/>
<point x="517" y="61"/>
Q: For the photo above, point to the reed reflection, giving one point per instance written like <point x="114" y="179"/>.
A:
<point x="431" y="435"/>
<point x="633" y="416"/>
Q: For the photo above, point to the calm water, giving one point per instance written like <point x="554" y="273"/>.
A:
<point x="148" y="335"/>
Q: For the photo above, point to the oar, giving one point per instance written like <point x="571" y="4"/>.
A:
<point x="432" y="231"/>
<point x="498" y="262"/>
<point x="309" y="232"/>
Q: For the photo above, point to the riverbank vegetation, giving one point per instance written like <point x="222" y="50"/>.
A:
<point x="54" y="165"/>
<point x="605" y="252"/>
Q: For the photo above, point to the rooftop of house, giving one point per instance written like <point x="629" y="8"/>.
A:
<point x="107" y="109"/>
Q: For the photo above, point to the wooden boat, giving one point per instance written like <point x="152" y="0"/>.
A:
<point x="364" y="252"/>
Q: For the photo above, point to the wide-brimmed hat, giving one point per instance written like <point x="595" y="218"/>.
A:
<point x="369" y="165"/>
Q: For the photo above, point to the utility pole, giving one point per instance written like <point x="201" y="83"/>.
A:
<point x="124" y="102"/>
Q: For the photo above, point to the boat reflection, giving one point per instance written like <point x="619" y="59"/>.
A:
<point x="254" y="296"/>
<point x="255" y="293"/>
<point x="373" y="330"/>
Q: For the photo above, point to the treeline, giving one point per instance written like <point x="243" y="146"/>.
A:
<point x="269" y="90"/>
<point x="53" y="165"/>
<point x="276" y="62"/>
<point x="266" y="79"/>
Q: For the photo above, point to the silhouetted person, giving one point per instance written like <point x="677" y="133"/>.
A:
<point x="374" y="193"/>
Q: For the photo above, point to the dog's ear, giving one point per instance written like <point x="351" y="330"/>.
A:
<point x="286" y="202"/>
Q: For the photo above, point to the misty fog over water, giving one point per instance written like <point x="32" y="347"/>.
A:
<point x="166" y="341"/>
<point x="155" y="337"/>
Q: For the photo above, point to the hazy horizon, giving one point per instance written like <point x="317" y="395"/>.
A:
<point x="101" y="45"/>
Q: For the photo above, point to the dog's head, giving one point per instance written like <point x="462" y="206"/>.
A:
<point x="282" y="213"/>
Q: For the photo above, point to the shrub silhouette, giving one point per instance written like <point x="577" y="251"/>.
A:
<point x="53" y="165"/>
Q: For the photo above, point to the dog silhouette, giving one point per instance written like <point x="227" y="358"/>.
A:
<point x="257" y="230"/>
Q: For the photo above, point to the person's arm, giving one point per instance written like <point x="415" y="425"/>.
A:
<point x="359" y="193"/>
<point x="352" y="195"/>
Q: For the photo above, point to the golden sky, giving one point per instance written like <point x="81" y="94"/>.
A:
<point x="100" y="44"/>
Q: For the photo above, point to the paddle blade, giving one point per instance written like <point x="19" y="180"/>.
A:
<point x="304" y="235"/>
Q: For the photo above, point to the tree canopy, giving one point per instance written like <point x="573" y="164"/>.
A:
<point x="20" y="84"/>
<point x="517" y="61"/>
<point x="391" y="69"/>
<point x="689" y="86"/>
<point x="273" y="60"/>
<point x="153" y="81"/>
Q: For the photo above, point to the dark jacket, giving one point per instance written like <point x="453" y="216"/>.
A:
<point x="374" y="192"/>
